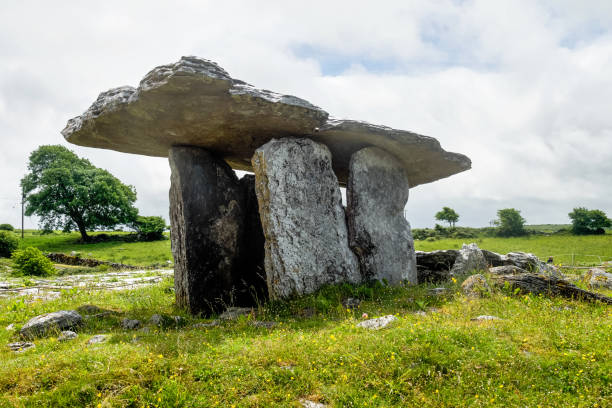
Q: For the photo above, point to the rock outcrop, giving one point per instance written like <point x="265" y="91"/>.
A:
<point x="380" y="236"/>
<point x="435" y="266"/>
<point x="469" y="260"/>
<point x="302" y="217"/>
<point x="50" y="323"/>
<point x="598" y="278"/>
<point x="475" y="286"/>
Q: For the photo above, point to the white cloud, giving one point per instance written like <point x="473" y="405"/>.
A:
<point x="521" y="87"/>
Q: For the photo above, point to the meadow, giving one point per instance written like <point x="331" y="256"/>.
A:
<point x="546" y="352"/>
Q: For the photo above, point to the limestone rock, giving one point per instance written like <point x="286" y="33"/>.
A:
<point x="98" y="338"/>
<point x="213" y="323"/>
<point x="20" y="346"/>
<point x="130" y="324"/>
<point x="265" y="325"/>
<point x="206" y="229"/>
<point x="302" y="218"/>
<point x="311" y="404"/>
<point x="195" y="102"/>
<point x="483" y="318"/>
<point x="67" y="335"/>
<point x="232" y="313"/>
<point x="475" y="286"/>
<point x="380" y="236"/>
<point x="438" y="291"/>
<point x="351" y="303"/>
<point x="378" y="323"/>
<point x="506" y="270"/>
<point x="435" y="266"/>
<point x="598" y="278"/>
<point x="469" y="259"/>
<point x="47" y="323"/>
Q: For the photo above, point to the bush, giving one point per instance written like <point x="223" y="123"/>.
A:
<point x="150" y="228"/>
<point x="6" y="227"/>
<point x="510" y="223"/>
<point x="31" y="261"/>
<point x="586" y="221"/>
<point x="8" y="243"/>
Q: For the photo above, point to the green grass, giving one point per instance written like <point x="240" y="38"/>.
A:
<point x="131" y="253"/>
<point x="586" y="249"/>
<point x="540" y="354"/>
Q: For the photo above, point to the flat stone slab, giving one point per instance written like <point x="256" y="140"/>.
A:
<point x="378" y="323"/>
<point x="196" y="102"/>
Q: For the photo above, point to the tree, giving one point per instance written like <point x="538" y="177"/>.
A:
<point x="586" y="221"/>
<point x="510" y="223"/>
<point x="150" y="228"/>
<point x="449" y="215"/>
<point x="69" y="192"/>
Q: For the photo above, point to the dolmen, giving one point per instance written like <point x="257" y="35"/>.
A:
<point x="282" y="231"/>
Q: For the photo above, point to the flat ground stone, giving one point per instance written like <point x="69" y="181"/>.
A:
<point x="311" y="404"/>
<point x="206" y="219"/>
<point x="67" y="335"/>
<point x="598" y="278"/>
<point x="98" y="338"/>
<point x="506" y="270"/>
<point x="130" y="324"/>
<point x="20" y="346"/>
<point x="378" y="323"/>
<point x="302" y="217"/>
<point x="47" y="323"/>
<point x="232" y="313"/>
<point x="195" y="102"/>
<point x="484" y="318"/>
<point x="380" y="236"/>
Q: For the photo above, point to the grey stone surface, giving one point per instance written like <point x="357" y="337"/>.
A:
<point x="311" y="404"/>
<point x="195" y="102"/>
<point x="482" y="318"/>
<point x="302" y="217"/>
<point x="351" y="303"/>
<point x="469" y="259"/>
<point x="97" y="339"/>
<point x="506" y="270"/>
<point x="48" y="323"/>
<point x="265" y="325"/>
<point x="206" y="218"/>
<point x="20" y="346"/>
<point x="438" y="291"/>
<point x="213" y="323"/>
<point x="67" y="335"/>
<point x="130" y="324"/>
<point x="232" y="313"/>
<point x="380" y="236"/>
<point x="435" y="266"/>
<point x="378" y="323"/>
<point x="475" y="286"/>
<point x="598" y="278"/>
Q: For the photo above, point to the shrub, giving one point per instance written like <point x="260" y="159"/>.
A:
<point x="6" y="227"/>
<point x="150" y="228"/>
<point x="31" y="261"/>
<point x="586" y="221"/>
<point x="510" y="223"/>
<point x="8" y="243"/>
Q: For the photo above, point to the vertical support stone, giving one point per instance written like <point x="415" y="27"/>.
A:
<point x="207" y="220"/>
<point x="376" y="193"/>
<point x="302" y="217"/>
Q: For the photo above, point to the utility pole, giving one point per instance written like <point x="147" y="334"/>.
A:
<point x="22" y="205"/>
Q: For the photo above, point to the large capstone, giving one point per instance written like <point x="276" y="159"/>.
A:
<point x="207" y="220"/>
<point x="376" y="193"/>
<point x="302" y="217"/>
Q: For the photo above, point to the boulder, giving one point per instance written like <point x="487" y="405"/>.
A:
<point x="130" y="324"/>
<point x="598" y="278"/>
<point x="306" y="242"/>
<point x="195" y="102"/>
<point x="469" y="259"/>
<point x="506" y="270"/>
<point x="207" y="222"/>
<point x="475" y="286"/>
<point x="48" y="323"/>
<point x="67" y="335"/>
<point x="378" y="323"/>
<point x="435" y="266"/>
<point x="380" y="236"/>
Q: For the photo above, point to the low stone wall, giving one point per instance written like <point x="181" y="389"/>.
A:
<point x="64" y="259"/>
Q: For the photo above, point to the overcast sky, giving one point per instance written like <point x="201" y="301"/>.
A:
<point x="524" y="88"/>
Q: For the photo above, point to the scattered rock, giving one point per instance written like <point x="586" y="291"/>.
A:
<point x="598" y="278"/>
<point x="311" y="404"/>
<point x="163" y="321"/>
<point x="93" y="310"/>
<point x="10" y="327"/>
<point x="506" y="270"/>
<point x="20" y="346"/>
<point x="98" y="338"/>
<point x="475" y="286"/>
<point x="232" y="313"/>
<point x="302" y="217"/>
<point x="130" y="324"/>
<point x="435" y="266"/>
<point x="205" y="325"/>
<point x="380" y="236"/>
<point x="484" y="318"/>
<point x="67" y="335"/>
<point x="438" y="291"/>
<point x="469" y="260"/>
<point x="351" y="303"/>
<point x="378" y="323"/>
<point x="50" y="322"/>
<point x="265" y="325"/>
<point x="420" y="313"/>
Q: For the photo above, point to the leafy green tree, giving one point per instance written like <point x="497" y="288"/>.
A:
<point x="8" y="243"/>
<point x="510" y="223"/>
<point x="449" y="215"/>
<point x="6" y="227"/>
<point x="150" y="228"/>
<point x="586" y="221"/>
<point x="68" y="192"/>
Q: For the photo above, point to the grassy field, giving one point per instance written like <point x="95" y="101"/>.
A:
<point x="131" y="253"/>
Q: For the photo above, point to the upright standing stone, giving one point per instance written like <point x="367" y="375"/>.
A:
<point x="207" y="224"/>
<point x="302" y="217"/>
<point x="376" y="193"/>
